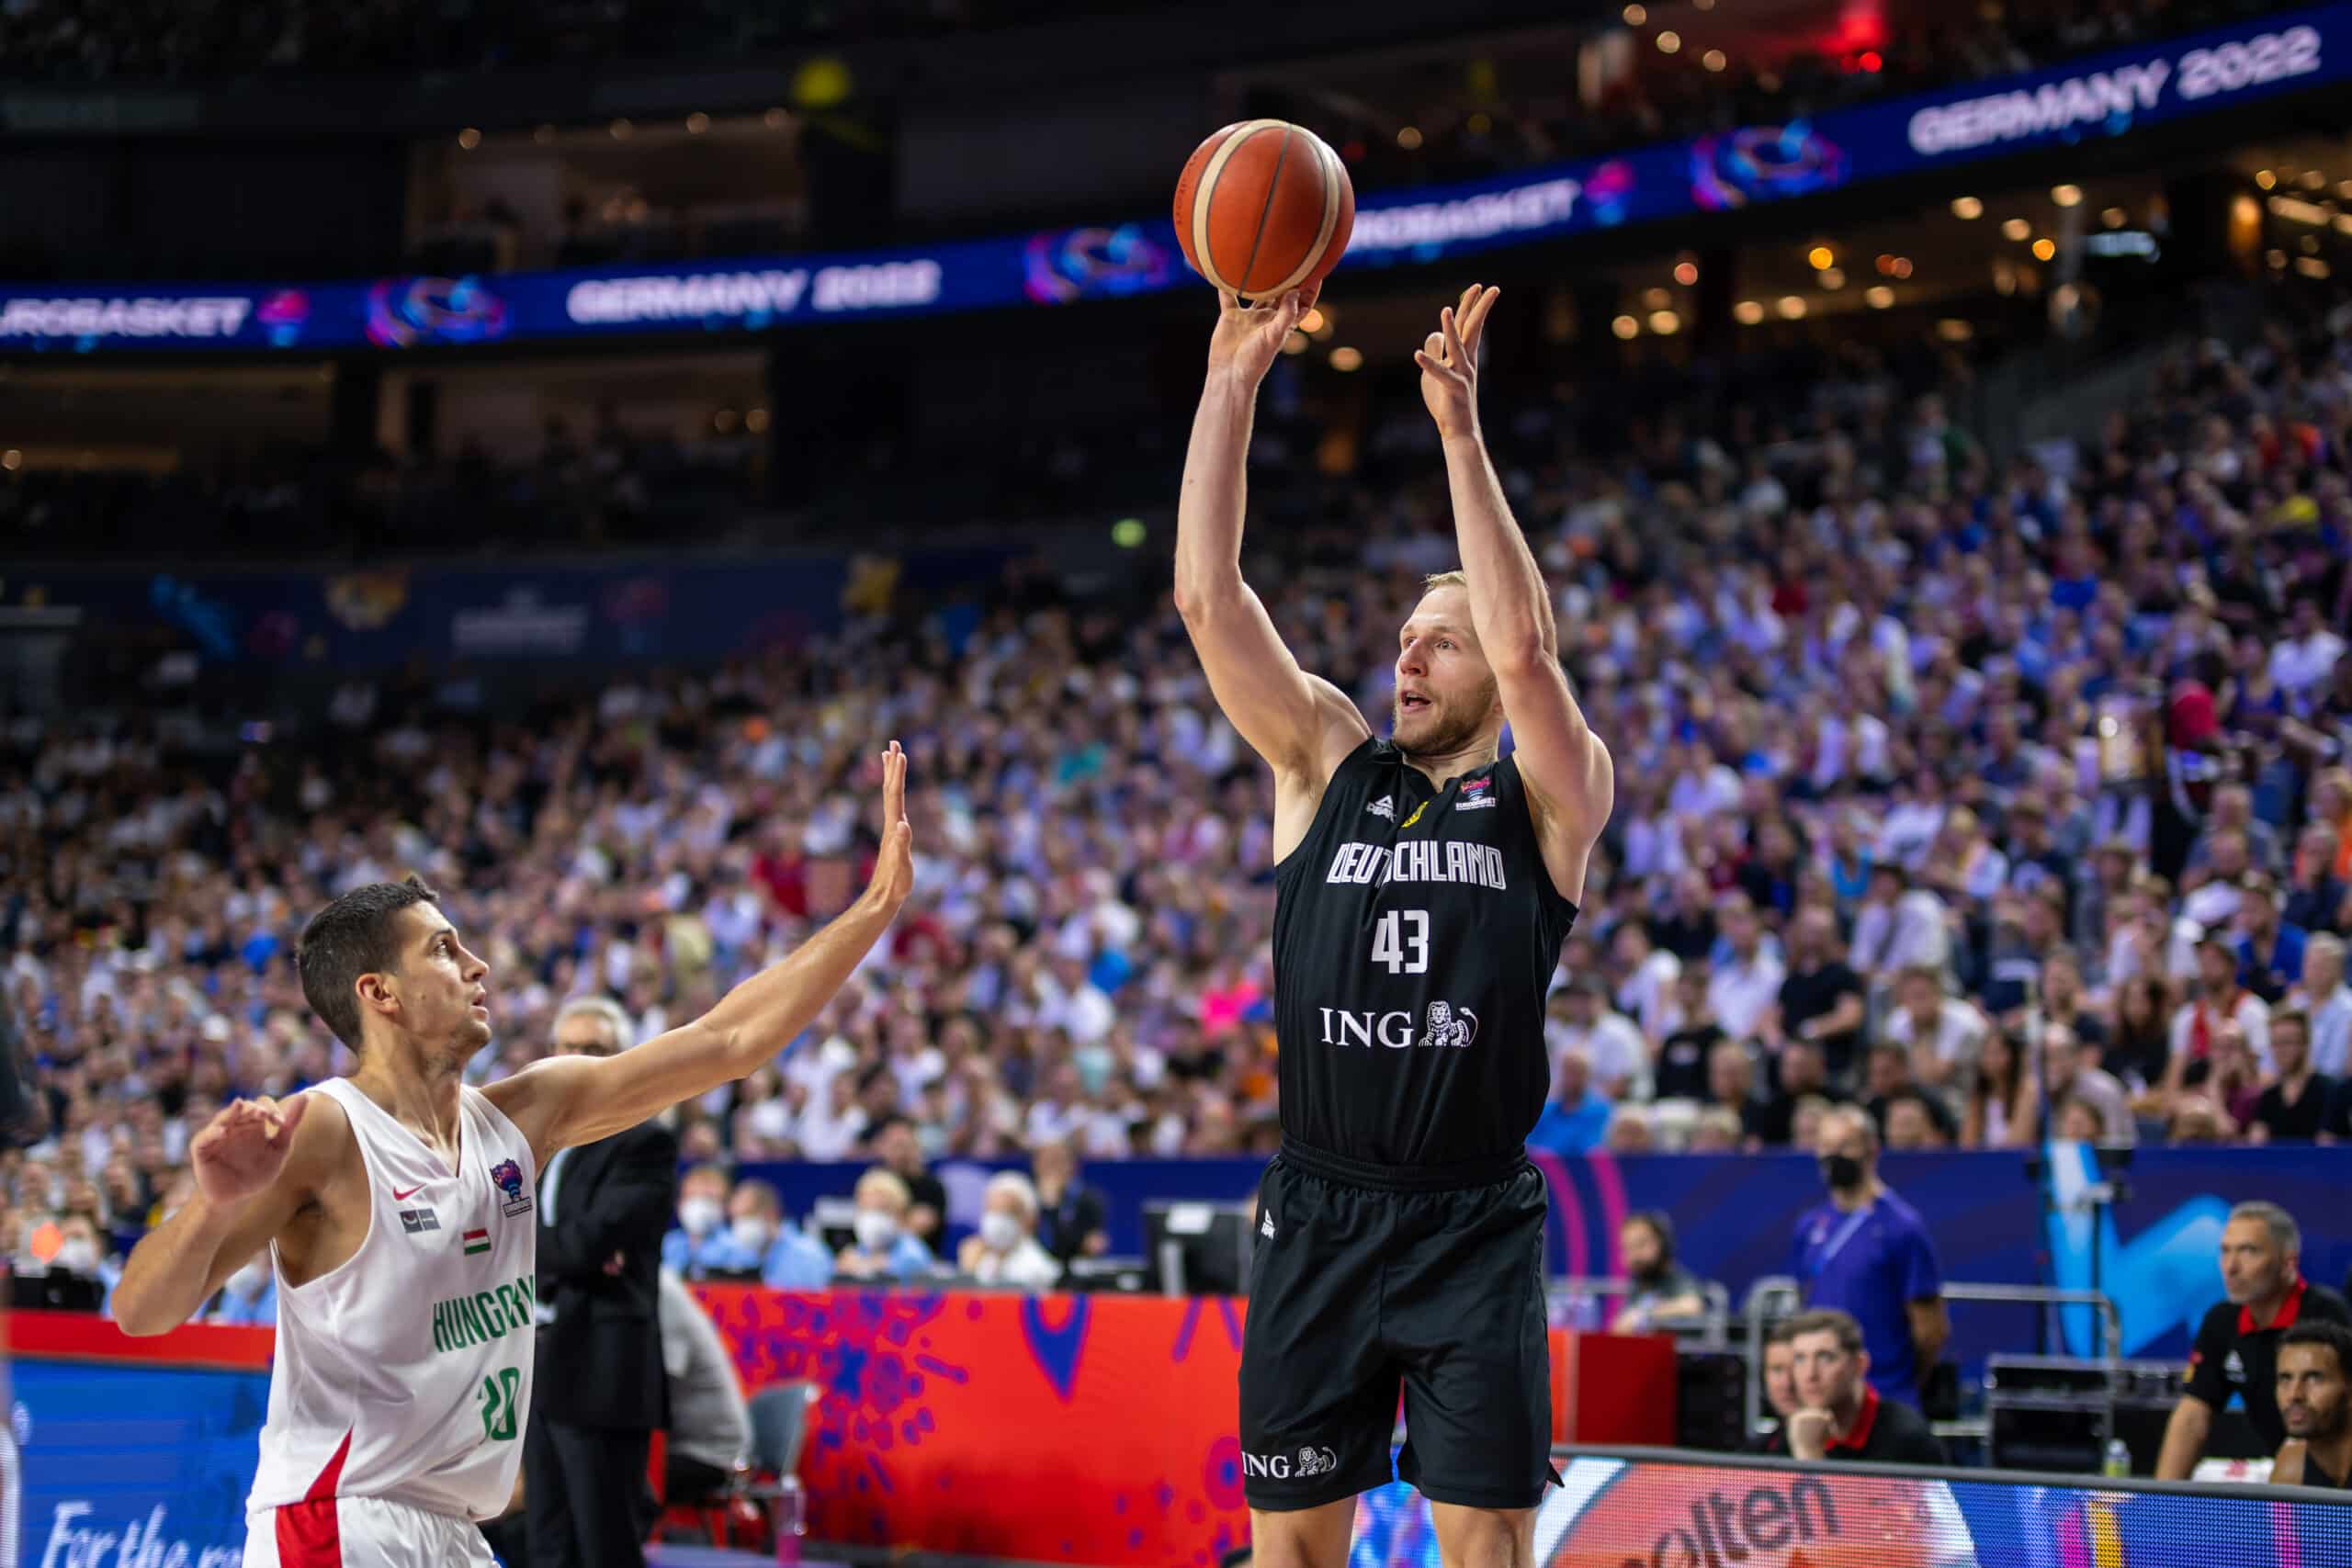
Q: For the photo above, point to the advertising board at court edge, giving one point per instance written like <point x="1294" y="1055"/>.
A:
<point x="2099" y="96"/>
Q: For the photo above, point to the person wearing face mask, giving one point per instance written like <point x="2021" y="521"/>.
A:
<point x="1005" y="1252"/>
<point x="251" y="1296"/>
<point x="1662" y="1287"/>
<point x="82" y="1258"/>
<point x="758" y="1244"/>
<point x="702" y="1221"/>
<point x="1866" y="1252"/>
<point x="883" y="1249"/>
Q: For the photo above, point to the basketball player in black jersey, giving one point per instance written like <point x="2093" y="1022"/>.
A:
<point x="1423" y="889"/>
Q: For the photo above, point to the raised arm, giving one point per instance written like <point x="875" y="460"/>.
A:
<point x="1570" y="777"/>
<point x="577" y="1099"/>
<point x="257" y="1164"/>
<point x="1289" y="718"/>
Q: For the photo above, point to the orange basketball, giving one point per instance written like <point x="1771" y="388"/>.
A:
<point x="1264" y="206"/>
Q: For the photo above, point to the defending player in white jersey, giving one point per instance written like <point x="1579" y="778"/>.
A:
<point x="396" y="1207"/>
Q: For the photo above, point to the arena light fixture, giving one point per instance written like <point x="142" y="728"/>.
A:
<point x="1669" y="41"/>
<point x="470" y="138"/>
<point x="697" y="123"/>
<point x="1408" y="137"/>
<point x="1748" y="313"/>
<point x="1833" y="277"/>
<point x="621" y="129"/>
<point x="2311" y="266"/>
<point x="1626" y="327"/>
<point x="1713" y="59"/>
<point x="2066" y="196"/>
<point x="2265" y="179"/>
<point x="1821" y="257"/>
<point x="756" y="420"/>
<point x="12" y="459"/>
<point x="1635" y="16"/>
<point x="1666" y="324"/>
<point x="2044" y="248"/>
<point x="1967" y="208"/>
<point x="2115" y="218"/>
<point x="1878" y="296"/>
<point x="1951" y="329"/>
<point x="1686" y="273"/>
<point x="1311" y="322"/>
<point x="1655" y="299"/>
<point x="1793" y="307"/>
<point x="1295" y="343"/>
<point x="1344" y="359"/>
<point x="2015" y="229"/>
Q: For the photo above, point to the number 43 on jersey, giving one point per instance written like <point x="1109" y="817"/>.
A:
<point x="1401" y="941"/>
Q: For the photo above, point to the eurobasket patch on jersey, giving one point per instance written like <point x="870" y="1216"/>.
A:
<point x="1477" y="795"/>
<point x="507" y="1177"/>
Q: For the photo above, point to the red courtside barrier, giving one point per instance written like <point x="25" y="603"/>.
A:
<point x="1042" y="1428"/>
<point x="1068" y="1428"/>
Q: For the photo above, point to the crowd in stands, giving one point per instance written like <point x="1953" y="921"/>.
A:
<point x="1996" y="798"/>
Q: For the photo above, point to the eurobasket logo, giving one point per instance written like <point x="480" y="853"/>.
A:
<point x="1092" y="263"/>
<point x="1763" y="162"/>
<point x="408" y="312"/>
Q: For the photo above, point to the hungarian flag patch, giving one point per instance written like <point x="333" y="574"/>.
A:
<point x="476" y="1241"/>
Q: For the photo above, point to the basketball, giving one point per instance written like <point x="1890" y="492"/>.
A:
<point x="1264" y="206"/>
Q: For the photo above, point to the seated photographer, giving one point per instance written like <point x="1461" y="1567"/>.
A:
<point x="1661" y="1287"/>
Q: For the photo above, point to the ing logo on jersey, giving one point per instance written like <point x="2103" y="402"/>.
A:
<point x="1449" y="1029"/>
<point x="507" y="1177"/>
<point x="1385" y="807"/>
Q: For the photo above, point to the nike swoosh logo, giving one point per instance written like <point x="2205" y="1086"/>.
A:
<point x="397" y="1195"/>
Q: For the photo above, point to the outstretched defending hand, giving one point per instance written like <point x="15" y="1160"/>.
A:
<point x="894" y="867"/>
<point x="1248" y="336"/>
<point x="1449" y="362"/>
<point x="243" y="1147"/>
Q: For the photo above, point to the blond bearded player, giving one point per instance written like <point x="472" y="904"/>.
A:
<point x="396" y="1206"/>
<point x="1423" y="886"/>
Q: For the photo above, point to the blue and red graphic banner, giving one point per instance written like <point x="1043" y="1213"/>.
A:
<point x="2102" y="95"/>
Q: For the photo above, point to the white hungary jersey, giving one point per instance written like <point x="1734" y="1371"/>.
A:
<point x="405" y="1374"/>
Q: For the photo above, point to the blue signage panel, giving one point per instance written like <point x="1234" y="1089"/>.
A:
<point x="2101" y="95"/>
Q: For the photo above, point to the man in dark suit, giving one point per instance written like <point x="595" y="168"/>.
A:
<point x="599" y="1390"/>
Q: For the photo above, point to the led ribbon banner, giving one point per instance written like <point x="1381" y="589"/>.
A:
<point x="2101" y="95"/>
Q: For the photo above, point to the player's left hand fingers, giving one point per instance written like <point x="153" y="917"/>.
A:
<point x="1473" y="319"/>
<point x="1455" y="355"/>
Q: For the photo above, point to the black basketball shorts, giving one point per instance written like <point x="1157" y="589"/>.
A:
<point x="1355" y="1292"/>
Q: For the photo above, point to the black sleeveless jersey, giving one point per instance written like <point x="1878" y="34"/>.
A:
<point x="1416" y="932"/>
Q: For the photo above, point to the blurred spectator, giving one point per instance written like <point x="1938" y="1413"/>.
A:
<point x="249" y="1296"/>
<point x="2199" y="1119"/>
<point x="1715" y="1131"/>
<point x="702" y="1216"/>
<point x="2236" y="1349"/>
<point x="2314" y="1396"/>
<point x="927" y="1198"/>
<point x="1575" y="1119"/>
<point x="1866" y="1252"/>
<point x="2220" y="1002"/>
<point x="2318" y="899"/>
<point x="2004" y="1102"/>
<point x="1649" y="989"/>
<point x="709" y="1425"/>
<point x="1071" y="1219"/>
<point x="1746" y="976"/>
<point x="1887" y="1082"/>
<point x="1912" y="1122"/>
<point x="1840" y="1412"/>
<point x="2141" y="1049"/>
<point x="883" y="1249"/>
<point x="1821" y="999"/>
<point x="1661" y="1287"/>
<point x="2077" y="1122"/>
<point x="2269" y="951"/>
<point x="2327" y="1001"/>
<point x="1685" y="1051"/>
<point x="1899" y="926"/>
<point x="1780" y="1386"/>
<point x="1942" y="1035"/>
<point x="2071" y="1068"/>
<point x="1005" y="1252"/>
<point x="2294" y="1106"/>
<point x="760" y="1243"/>
<point x="1798" y="1075"/>
<point x="1631" y="1130"/>
<point x="1731" y="1091"/>
<point x="1582" y="1023"/>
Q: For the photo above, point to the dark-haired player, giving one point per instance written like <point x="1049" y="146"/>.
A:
<point x="1423" y="889"/>
<point x="396" y="1206"/>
